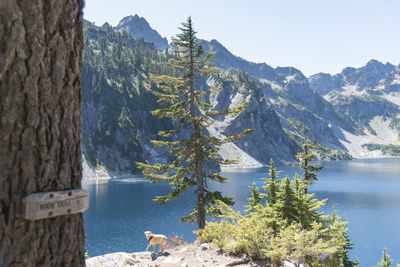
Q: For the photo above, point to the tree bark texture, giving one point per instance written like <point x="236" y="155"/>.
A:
<point x="40" y="127"/>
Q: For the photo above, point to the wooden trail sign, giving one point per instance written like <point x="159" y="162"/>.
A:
<point x="49" y="204"/>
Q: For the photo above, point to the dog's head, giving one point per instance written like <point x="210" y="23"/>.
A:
<point x="148" y="234"/>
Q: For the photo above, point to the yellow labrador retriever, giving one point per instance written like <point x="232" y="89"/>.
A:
<point x="156" y="239"/>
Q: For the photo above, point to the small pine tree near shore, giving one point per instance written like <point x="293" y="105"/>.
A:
<point x="386" y="261"/>
<point x="305" y="158"/>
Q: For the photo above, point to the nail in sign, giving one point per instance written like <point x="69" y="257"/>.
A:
<point x="49" y="204"/>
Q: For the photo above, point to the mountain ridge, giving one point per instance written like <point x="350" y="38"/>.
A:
<point x="286" y="108"/>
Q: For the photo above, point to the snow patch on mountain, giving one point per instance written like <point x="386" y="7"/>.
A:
<point x="351" y="90"/>
<point x="396" y="79"/>
<point x="353" y="143"/>
<point x="394" y="98"/>
<point x="384" y="134"/>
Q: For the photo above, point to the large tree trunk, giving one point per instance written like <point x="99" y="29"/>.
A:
<point x="40" y="128"/>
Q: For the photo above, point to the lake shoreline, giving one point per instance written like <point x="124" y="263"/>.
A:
<point x="101" y="175"/>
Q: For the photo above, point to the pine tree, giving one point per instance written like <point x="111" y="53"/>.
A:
<point x="343" y="256"/>
<point x="254" y="200"/>
<point x="305" y="157"/>
<point x="386" y="260"/>
<point x="306" y="204"/>
<point x="285" y="205"/>
<point x="198" y="152"/>
<point x="271" y="184"/>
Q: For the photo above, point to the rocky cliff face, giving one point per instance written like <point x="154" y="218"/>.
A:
<point x="268" y="139"/>
<point x="304" y="116"/>
<point x="117" y="101"/>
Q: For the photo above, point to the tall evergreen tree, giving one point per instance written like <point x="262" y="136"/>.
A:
<point x="305" y="158"/>
<point x="198" y="152"/>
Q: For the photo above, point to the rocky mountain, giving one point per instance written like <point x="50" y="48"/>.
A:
<point x="373" y="78"/>
<point x="342" y="114"/>
<point x="305" y="116"/>
<point x="138" y="27"/>
<point x="117" y="100"/>
<point x="346" y="112"/>
<point x="369" y="97"/>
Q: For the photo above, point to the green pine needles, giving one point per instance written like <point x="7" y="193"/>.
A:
<point x="281" y="223"/>
<point x="305" y="157"/>
<point x="386" y="261"/>
<point x="196" y="154"/>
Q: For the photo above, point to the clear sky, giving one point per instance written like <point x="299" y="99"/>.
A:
<point x="311" y="35"/>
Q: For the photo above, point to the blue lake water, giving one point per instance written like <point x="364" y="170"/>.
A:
<point x="365" y="192"/>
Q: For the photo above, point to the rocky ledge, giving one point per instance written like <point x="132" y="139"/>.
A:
<point x="181" y="256"/>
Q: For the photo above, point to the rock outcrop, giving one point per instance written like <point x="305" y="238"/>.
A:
<point x="138" y="27"/>
<point x="189" y="255"/>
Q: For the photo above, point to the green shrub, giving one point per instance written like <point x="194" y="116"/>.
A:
<point x="219" y="233"/>
<point x="301" y="234"/>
